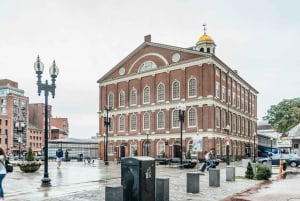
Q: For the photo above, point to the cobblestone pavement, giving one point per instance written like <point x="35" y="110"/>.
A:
<point x="76" y="181"/>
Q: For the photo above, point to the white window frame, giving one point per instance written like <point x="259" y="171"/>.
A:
<point x="160" y="120"/>
<point x="192" y="117"/>
<point x="160" y="92"/>
<point x="192" y="87"/>
<point x="176" y="90"/>
<point x="146" y="95"/>
<point x="122" y="98"/>
<point x="122" y="123"/>
<point x="133" y="122"/>
<point x="146" y="121"/>
<point x="133" y="96"/>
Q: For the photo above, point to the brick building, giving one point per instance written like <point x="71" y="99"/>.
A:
<point x="145" y="88"/>
<point x="59" y="128"/>
<point x="36" y="134"/>
<point x="13" y="117"/>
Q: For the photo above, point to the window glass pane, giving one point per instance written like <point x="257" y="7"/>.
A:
<point x="146" y="121"/>
<point x="133" y="97"/>
<point x="160" y="120"/>
<point x="192" y="87"/>
<point x="175" y="88"/>
<point x="146" y="95"/>
<point x="160" y="92"/>
<point x="133" y="122"/>
<point x="175" y="118"/>
<point x="192" y="117"/>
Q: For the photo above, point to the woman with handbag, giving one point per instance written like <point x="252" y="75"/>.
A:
<point x="2" y="171"/>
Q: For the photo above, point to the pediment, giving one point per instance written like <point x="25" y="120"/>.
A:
<point x="150" y="56"/>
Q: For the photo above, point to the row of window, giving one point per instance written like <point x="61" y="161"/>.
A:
<point x="239" y="124"/>
<point x="192" y="92"/>
<point x="233" y="99"/>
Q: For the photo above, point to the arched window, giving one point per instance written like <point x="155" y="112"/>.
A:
<point x="192" y="117"/>
<point x="122" y="99"/>
<point x="146" y="121"/>
<point x="192" y="87"/>
<point x="121" y="123"/>
<point x="133" y="149"/>
<point x="160" y="92"/>
<point x="110" y="100"/>
<point x="161" y="148"/>
<point x="133" y="122"/>
<point x="175" y="90"/>
<point x="175" y="119"/>
<point x="133" y="97"/>
<point x="160" y="120"/>
<point x="147" y="65"/>
<point x="146" y="95"/>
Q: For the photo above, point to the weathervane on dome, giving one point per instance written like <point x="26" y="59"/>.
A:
<point x="204" y="28"/>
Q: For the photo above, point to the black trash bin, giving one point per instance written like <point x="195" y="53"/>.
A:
<point x="138" y="178"/>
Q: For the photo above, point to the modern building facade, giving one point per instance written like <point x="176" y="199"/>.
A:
<point x="144" y="89"/>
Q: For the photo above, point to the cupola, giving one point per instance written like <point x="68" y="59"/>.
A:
<point x="205" y="43"/>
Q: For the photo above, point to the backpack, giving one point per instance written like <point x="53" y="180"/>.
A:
<point x="59" y="153"/>
<point x="8" y="166"/>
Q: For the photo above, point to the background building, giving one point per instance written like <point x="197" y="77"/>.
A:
<point x="13" y="117"/>
<point x="145" y="88"/>
<point x="59" y="128"/>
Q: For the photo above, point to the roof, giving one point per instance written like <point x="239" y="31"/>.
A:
<point x="294" y="132"/>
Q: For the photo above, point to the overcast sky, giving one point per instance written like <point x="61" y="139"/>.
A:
<point x="87" y="38"/>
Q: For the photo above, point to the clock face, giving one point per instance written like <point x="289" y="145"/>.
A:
<point x="175" y="57"/>
<point x="122" y="71"/>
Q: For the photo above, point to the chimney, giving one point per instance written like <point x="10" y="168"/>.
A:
<point x="147" y="38"/>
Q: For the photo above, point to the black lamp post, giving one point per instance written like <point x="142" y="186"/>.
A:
<point x="107" y="119"/>
<point x="47" y="88"/>
<point x="227" y="129"/>
<point x="19" y="125"/>
<point x="181" y="109"/>
<point x="147" y="143"/>
<point x="254" y="149"/>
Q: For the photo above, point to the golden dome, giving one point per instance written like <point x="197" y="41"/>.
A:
<point x="205" y="37"/>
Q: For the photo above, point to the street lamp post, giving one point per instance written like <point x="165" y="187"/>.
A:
<point x="227" y="129"/>
<point x="107" y="119"/>
<point x="147" y="143"/>
<point x="181" y="109"/>
<point x="47" y="88"/>
<point x="254" y="149"/>
<point x="19" y="125"/>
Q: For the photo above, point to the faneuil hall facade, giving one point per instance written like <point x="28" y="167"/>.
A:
<point x="142" y="92"/>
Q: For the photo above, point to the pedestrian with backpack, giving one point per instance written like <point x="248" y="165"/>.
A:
<point x="59" y="157"/>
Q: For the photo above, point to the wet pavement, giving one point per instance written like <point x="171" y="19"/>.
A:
<point x="76" y="181"/>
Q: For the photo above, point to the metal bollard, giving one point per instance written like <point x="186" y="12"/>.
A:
<point x="214" y="177"/>
<point x="192" y="182"/>
<point x="113" y="193"/>
<point x="230" y="173"/>
<point x="162" y="189"/>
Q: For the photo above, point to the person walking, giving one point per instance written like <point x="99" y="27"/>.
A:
<point x="59" y="157"/>
<point x="2" y="171"/>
